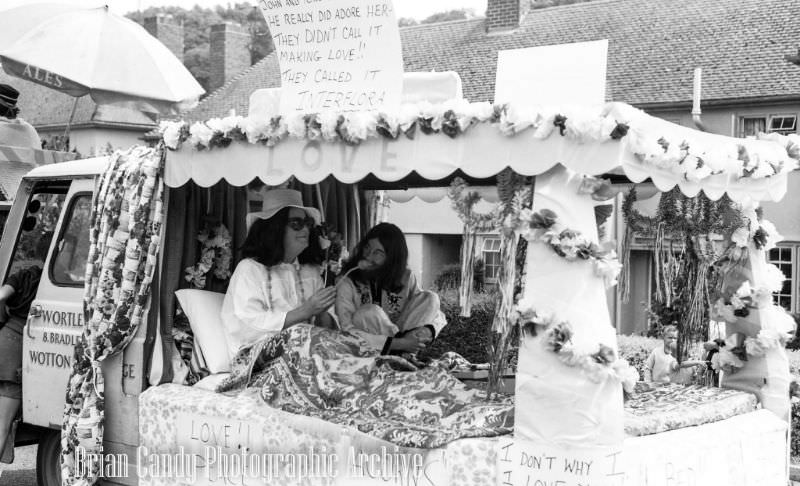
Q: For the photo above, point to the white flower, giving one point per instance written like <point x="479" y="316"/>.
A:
<point x="324" y="243"/>
<point x="608" y="269"/>
<point x="171" y="132"/>
<point x="774" y="278"/>
<point x="482" y="110"/>
<point x="627" y="374"/>
<point x="361" y="125"/>
<point x="725" y="360"/>
<point x="296" y="124"/>
<point x="200" y="134"/>
<point x="773" y="237"/>
<point x="407" y="116"/>
<point x="763" y="169"/>
<point x="745" y="290"/>
<point x="328" y="121"/>
<point x="255" y="128"/>
<point x="741" y="237"/>
<point x="584" y="127"/>
<point x="215" y="124"/>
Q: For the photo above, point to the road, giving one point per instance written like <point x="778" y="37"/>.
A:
<point x="23" y="471"/>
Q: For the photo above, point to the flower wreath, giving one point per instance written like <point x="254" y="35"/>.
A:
<point x="463" y="202"/>
<point x="557" y="338"/>
<point x="567" y="243"/>
<point x="215" y="254"/>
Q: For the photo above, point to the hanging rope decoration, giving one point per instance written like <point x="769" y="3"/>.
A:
<point x="685" y="256"/>
<point x="463" y="201"/>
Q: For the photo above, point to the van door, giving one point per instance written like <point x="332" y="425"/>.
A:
<point x="55" y="320"/>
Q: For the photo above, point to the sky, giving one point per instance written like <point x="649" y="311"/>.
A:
<point x="418" y="9"/>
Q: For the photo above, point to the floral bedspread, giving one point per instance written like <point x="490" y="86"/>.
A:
<point x="659" y="407"/>
<point x="333" y="376"/>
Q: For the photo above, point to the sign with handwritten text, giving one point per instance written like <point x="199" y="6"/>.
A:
<point x="336" y="55"/>
<point x="523" y="463"/>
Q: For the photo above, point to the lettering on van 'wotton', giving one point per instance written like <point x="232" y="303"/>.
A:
<point x="342" y="56"/>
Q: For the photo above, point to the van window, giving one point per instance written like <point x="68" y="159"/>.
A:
<point x="38" y="226"/>
<point x="69" y="259"/>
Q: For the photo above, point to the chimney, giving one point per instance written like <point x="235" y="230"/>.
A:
<point x="504" y="15"/>
<point x="230" y="53"/>
<point x="169" y="31"/>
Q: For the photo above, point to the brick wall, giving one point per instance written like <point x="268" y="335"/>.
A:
<point x="230" y="53"/>
<point x="169" y="31"/>
<point x="504" y="14"/>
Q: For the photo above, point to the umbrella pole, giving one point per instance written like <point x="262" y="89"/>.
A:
<point x="69" y="124"/>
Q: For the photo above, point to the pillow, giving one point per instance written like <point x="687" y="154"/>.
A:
<point x="203" y="309"/>
<point x="211" y="382"/>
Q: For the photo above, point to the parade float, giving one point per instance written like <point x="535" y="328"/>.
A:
<point x="129" y="404"/>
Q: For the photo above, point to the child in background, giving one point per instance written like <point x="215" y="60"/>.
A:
<point x="662" y="366"/>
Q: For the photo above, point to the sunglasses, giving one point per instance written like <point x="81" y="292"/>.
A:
<point x="298" y="224"/>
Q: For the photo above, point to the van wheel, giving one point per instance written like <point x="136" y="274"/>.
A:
<point x="48" y="459"/>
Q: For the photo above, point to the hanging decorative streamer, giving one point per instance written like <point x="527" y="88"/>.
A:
<point x="463" y="202"/>
<point x="125" y="240"/>
<point x="509" y="184"/>
<point x="467" y="271"/>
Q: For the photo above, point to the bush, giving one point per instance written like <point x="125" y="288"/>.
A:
<point x="449" y="278"/>
<point x="636" y="349"/>
<point x="466" y="336"/>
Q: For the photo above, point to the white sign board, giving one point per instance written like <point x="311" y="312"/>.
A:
<point x="747" y="450"/>
<point x="566" y="74"/>
<point x="523" y="463"/>
<point x="336" y="55"/>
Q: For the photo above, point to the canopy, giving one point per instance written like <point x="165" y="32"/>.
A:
<point x="481" y="140"/>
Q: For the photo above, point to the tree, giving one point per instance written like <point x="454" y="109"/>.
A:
<point x="455" y="14"/>
<point x="197" y="23"/>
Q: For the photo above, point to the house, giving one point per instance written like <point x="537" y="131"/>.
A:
<point x="748" y="86"/>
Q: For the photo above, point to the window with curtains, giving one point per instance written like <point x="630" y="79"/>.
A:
<point x="750" y="126"/>
<point x="785" y="256"/>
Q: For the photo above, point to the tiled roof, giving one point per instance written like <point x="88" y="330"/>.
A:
<point x="43" y="107"/>
<point x="11" y="173"/>
<point x="654" y="46"/>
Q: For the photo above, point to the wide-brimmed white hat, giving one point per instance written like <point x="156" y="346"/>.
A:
<point x="277" y="199"/>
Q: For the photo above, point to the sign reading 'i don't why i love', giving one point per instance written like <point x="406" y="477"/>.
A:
<point x="336" y="55"/>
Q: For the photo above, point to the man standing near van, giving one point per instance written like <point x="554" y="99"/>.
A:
<point x="16" y="296"/>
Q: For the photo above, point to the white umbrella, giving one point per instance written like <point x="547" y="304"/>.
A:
<point x="80" y="51"/>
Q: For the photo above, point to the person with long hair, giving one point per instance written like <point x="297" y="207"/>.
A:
<point x="277" y="284"/>
<point x="379" y="300"/>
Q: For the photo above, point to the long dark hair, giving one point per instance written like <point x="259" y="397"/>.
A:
<point x="391" y="275"/>
<point x="264" y="242"/>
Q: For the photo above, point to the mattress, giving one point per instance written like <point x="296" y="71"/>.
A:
<point x="660" y="407"/>
<point x="176" y="420"/>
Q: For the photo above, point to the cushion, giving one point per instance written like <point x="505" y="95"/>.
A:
<point x="203" y="309"/>
<point x="212" y="382"/>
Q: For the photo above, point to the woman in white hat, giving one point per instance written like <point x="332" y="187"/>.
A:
<point x="278" y="283"/>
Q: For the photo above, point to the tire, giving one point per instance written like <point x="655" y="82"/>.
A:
<point x="48" y="459"/>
